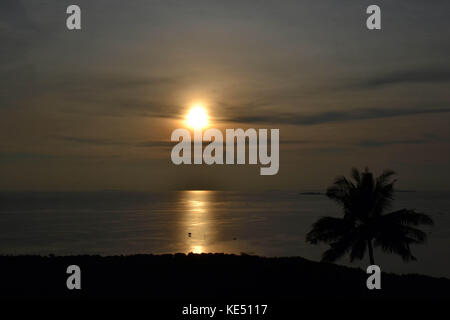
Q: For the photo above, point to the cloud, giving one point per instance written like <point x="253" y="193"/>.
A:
<point x="156" y="144"/>
<point x="17" y="32"/>
<point x="333" y="116"/>
<point x="111" y="90"/>
<point x="24" y="156"/>
<point x="381" y="143"/>
<point x="18" y="37"/>
<point x="161" y="143"/>
<point x="425" y="138"/>
<point x="15" y="157"/>
<point x="110" y="142"/>
<point x="90" y="141"/>
<point x="441" y="75"/>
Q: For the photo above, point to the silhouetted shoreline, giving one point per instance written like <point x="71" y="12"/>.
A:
<point x="192" y="277"/>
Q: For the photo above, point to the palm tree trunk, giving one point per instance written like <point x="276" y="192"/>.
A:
<point x="372" y="259"/>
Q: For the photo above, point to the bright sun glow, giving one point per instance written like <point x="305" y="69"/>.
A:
<point x="197" y="117"/>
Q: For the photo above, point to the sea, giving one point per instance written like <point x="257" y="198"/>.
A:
<point x="271" y="224"/>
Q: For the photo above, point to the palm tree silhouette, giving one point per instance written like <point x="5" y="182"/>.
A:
<point x="365" y="223"/>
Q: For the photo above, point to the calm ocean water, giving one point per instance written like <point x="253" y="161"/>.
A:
<point x="267" y="224"/>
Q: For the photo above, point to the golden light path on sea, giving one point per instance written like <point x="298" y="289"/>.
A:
<point x="197" y="219"/>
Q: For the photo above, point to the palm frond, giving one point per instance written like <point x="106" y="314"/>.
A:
<point x="358" y="249"/>
<point x="337" y="249"/>
<point x="383" y="197"/>
<point x="367" y="182"/>
<point x="399" y="245"/>
<point x="328" y="229"/>
<point x="385" y="177"/>
<point x="340" y="191"/>
<point x="356" y="175"/>
<point x="408" y="217"/>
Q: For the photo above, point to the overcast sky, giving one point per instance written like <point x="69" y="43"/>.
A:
<point x="94" y="109"/>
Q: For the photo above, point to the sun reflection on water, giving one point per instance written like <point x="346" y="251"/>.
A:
<point x="197" y="220"/>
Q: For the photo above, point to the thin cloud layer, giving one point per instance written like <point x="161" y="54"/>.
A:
<point x="335" y="116"/>
<point x="341" y="95"/>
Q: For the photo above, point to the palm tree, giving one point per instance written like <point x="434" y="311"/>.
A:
<point x="365" y="224"/>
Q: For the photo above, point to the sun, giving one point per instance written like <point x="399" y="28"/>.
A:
<point x="197" y="117"/>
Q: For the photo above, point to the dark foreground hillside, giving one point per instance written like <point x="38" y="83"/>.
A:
<point x="205" y="277"/>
